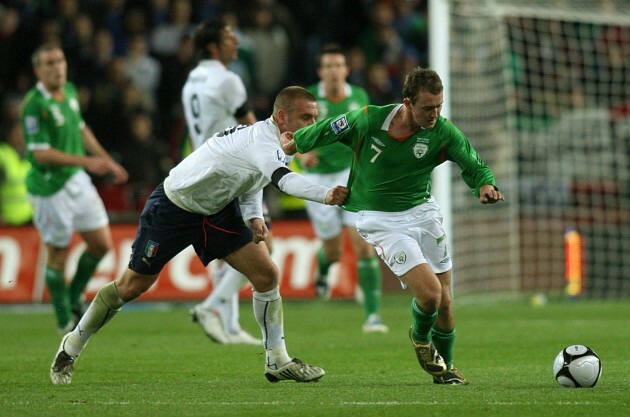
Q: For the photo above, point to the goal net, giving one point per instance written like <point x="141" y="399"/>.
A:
<point x="542" y="89"/>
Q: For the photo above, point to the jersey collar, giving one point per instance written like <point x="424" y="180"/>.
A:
<point x="211" y="63"/>
<point x="321" y="91"/>
<point x="272" y="121"/>
<point x="40" y="86"/>
<point x="390" y="117"/>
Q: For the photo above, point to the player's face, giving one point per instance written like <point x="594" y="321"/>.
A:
<point x="426" y="108"/>
<point x="304" y="113"/>
<point x="228" y="47"/>
<point x="52" y="69"/>
<point x="333" y="69"/>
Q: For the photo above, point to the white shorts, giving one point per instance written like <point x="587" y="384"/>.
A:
<point x="328" y="221"/>
<point x="408" y="238"/>
<point x="76" y="207"/>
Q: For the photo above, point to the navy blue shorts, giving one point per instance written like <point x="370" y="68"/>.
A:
<point x="165" y="230"/>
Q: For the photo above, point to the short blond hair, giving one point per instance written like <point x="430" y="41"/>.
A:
<point x="45" y="47"/>
<point x="287" y="97"/>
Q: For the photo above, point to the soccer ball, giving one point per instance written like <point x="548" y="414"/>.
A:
<point x="577" y="366"/>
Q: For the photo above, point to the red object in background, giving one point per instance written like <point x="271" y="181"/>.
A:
<point x="22" y="258"/>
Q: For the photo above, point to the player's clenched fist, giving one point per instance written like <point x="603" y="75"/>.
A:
<point x="337" y="196"/>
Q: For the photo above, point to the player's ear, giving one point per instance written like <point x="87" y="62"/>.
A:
<point x="281" y="119"/>
<point x="406" y="102"/>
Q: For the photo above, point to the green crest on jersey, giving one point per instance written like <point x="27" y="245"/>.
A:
<point x="420" y="149"/>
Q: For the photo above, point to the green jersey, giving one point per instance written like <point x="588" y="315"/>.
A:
<point x="48" y="123"/>
<point x="335" y="157"/>
<point x="388" y="174"/>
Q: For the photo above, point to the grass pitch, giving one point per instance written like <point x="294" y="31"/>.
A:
<point x="155" y="362"/>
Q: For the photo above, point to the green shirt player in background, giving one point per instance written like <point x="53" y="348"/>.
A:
<point x="63" y="196"/>
<point x="331" y="165"/>
<point x="396" y="147"/>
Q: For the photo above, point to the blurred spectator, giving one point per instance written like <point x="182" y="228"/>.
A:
<point x="271" y="55"/>
<point x="136" y="20"/>
<point x="142" y="69"/>
<point x="159" y="11"/>
<point x="170" y="112"/>
<point x="114" y="99"/>
<point x="144" y="157"/>
<point x="356" y="66"/>
<point x="108" y="14"/>
<point x="379" y="86"/>
<point x="9" y="42"/>
<point x="15" y="209"/>
<point x="413" y="27"/>
<point x="102" y="54"/>
<point x="244" y="65"/>
<point x="165" y="37"/>
<point x="80" y="51"/>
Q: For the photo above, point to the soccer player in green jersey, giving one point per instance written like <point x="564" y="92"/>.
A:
<point x="330" y="165"/>
<point x="63" y="196"/>
<point x="396" y="147"/>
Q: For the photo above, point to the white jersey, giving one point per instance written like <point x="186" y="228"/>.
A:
<point x="210" y="97"/>
<point x="237" y="163"/>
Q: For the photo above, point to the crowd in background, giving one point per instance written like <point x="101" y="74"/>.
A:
<point x="129" y="60"/>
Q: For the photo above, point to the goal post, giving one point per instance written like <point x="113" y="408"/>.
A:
<point x="542" y="90"/>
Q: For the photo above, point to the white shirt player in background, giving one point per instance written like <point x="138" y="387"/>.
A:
<point x="215" y="98"/>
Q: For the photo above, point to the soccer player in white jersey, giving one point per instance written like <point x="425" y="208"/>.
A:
<point x="212" y="200"/>
<point x="214" y="98"/>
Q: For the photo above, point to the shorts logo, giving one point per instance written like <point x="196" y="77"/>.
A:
<point x="340" y="124"/>
<point x="31" y="124"/>
<point x="377" y="141"/>
<point x="400" y="258"/>
<point x="445" y="260"/>
<point x="151" y="249"/>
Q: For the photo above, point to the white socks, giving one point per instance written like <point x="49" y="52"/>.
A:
<point x="224" y="297"/>
<point x="268" y="313"/>
<point x="103" y="308"/>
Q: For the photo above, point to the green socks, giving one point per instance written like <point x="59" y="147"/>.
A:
<point x="85" y="269"/>
<point x="56" y="283"/>
<point x="323" y="264"/>
<point x="370" y="280"/>
<point x="444" y="341"/>
<point x="422" y="323"/>
<point x="64" y="298"/>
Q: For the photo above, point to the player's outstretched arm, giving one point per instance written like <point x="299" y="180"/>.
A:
<point x="297" y="185"/>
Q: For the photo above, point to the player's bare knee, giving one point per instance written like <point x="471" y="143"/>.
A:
<point x="332" y="254"/>
<point x="364" y="251"/>
<point x="132" y="285"/>
<point x="98" y="252"/>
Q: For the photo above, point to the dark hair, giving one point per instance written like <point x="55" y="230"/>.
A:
<point x="287" y="97"/>
<point x="45" y="47"/>
<point x="419" y="80"/>
<point x="207" y="32"/>
<point x="330" y="48"/>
